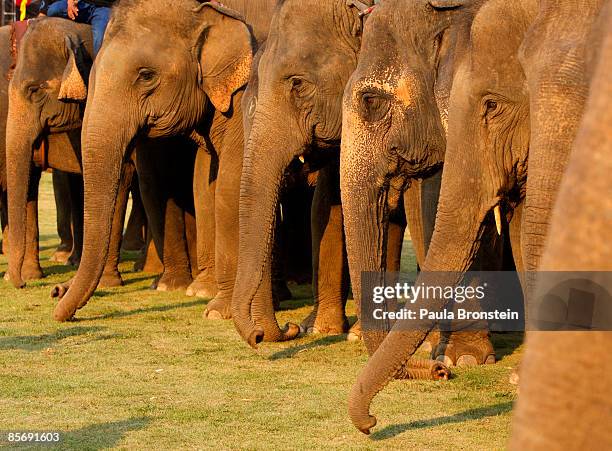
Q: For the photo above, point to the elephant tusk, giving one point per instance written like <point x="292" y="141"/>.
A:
<point x="301" y="158"/>
<point x="497" y="214"/>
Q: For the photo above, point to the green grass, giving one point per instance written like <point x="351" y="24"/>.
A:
<point x="141" y="370"/>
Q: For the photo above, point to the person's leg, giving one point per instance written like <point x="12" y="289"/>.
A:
<point x="98" y="19"/>
<point x="58" y="9"/>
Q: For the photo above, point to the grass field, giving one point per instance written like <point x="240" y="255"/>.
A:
<point x="141" y="369"/>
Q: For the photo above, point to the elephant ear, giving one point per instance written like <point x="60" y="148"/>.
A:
<point x="72" y="86"/>
<point x="224" y="51"/>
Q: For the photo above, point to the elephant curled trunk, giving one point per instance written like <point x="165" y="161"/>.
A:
<point x="252" y="307"/>
<point x="105" y="142"/>
<point x="20" y="139"/>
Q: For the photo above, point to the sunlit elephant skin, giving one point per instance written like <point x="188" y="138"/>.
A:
<point x="488" y="120"/>
<point x="294" y="110"/>
<point x="395" y="112"/>
<point x="191" y="85"/>
<point x="46" y="92"/>
<point x="578" y="406"/>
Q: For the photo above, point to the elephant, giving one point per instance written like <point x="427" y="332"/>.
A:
<point x="190" y="85"/>
<point x="495" y="36"/>
<point x="578" y="406"/>
<point x="395" y="111"/>
<point x="293" y="111"/>
<point x="45" y="100"/>
<point x="512" y="70"/>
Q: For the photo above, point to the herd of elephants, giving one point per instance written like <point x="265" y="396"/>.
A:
<point x="264" y="132"/>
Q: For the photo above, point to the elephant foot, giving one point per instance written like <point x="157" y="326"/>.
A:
<point x="204" y="286"/>
<point x="219" y="308"/>
<point x="464" y="349"/>
<point x="110" y="280"/>
<point x="139" y="263"/>
<point x="320" y="322"/>
<point x="31" y="272"/>
<point x="60" y="256"/>
<point x="431" y="342"/>
<point x="74" y="260"/>
<point x="173" y="282"/>
<point x="354" y="333"/>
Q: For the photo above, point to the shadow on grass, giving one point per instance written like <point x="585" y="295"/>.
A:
<point x="157" y="308"/>
<point x="471" y="414"/>
<point x="102" y="435"/>
<point x="39" y="342"/>
<point x="506" y="343"/>
<point x="319" y="342"/>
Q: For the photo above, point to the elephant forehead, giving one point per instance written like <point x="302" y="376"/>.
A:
<point x="400" y="85"/>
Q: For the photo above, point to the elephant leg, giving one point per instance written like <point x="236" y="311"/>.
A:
<point x="474" y="347"/>
<point x="61" y="193"/>
<point x="330" y="267"/>
<point x="227" y="196"/>
<point x="111" y="276"/>
<point x="135" y="235"/>
<point x="204" y="184"/>
<point x="75" y="184"/>
<point x="152" y="262"/>
<point x="280" y="290"/>
<point x="4" y="220"/>
<point x="31" y="265"/>
<point x="158" y="175"/>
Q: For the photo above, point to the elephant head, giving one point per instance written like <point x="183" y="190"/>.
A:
<point x="309" y="55"/>
<point x="485" y="166"/>
<point x="46" y="95"/>
<point x="160" y="65"/>
<point x="394" y="119"/>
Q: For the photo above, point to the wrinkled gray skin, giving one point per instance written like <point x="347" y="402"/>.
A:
<point x="45" y="102"/>
<point x="296" y="110"/>
<point x="520" y="143"/>
<point x="579" y="240"/>
<point x="169" y="87"/>
<point x="395" y="110"/>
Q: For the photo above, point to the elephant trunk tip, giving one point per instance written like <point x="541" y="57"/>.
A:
<point x="359" y="410"/>
<point x="255" y="337"/>
<point x="61" y="313"/>
<point x="439" y="371"/>
<point x="291" y="331"/>
<point x="16" y="279"/>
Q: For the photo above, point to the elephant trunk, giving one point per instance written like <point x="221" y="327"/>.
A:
<point x="265" y="161"/>
<point x="452" y="250"/>
<point x="105" y="140"/>
<point x="22" y="131"/>
<point x="365" y="206"/>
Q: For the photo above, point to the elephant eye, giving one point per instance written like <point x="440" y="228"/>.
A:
<point x="36" y="89"/>
<point x="299" y="87"/>
<point x="491" y="105"/>
<point x="146" y="74"/>
<point x="374" y="107"/>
